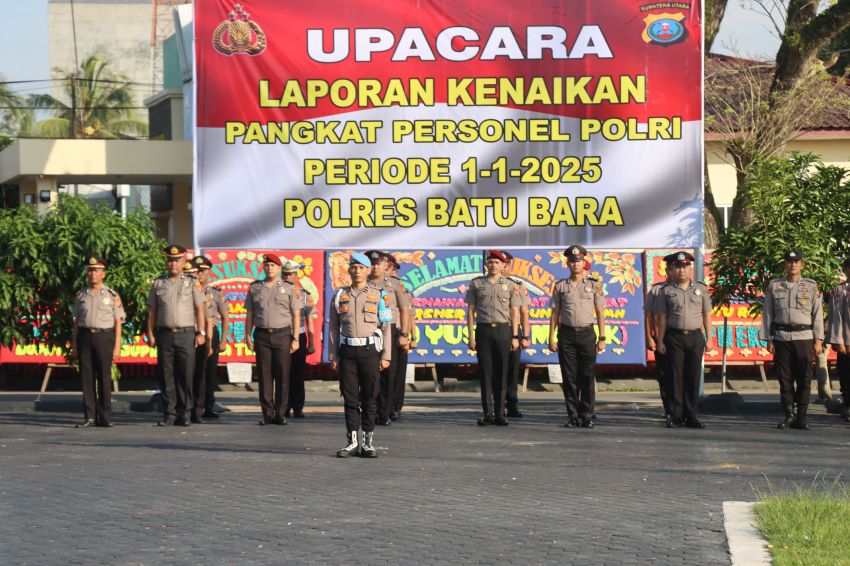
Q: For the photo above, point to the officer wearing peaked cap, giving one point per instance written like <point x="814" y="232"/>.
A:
<point x="206" y="357"/>
<point x="273" y="306"/>
<point x="359" y="346"/>
<point x="409" y="333"/>
<point x="512" y="392"/>
<point x="839" y="333"/>
<point x="683" y="309"/>
<point x="175" y="326"/>
<point x="96" y="342"/>
<point x="792" y="325"/>
<point x="492" y="323"/>
<point x="306" y="342"/>
<point x="577" y="302"/>
<point x="652" y="332"/>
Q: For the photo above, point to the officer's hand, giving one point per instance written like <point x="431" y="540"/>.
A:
<point x="200" y="340"/>
<point x="249" y="342"/>
<point x="208" y="351"/>
<point x="222" y="346"/>
<point x="600" y="345"/>
<point x="472" y="344"/>
<point x="770" y="347"/>
<point x="412" y="345"/>
<point x="72" y="353"/>
<point x="311" y="347"/>
<point x="661" y="348"/>
<point x="334" y="365"/>
<point x="525" y="343"/>
<point x="403" y="341"/>
<point x="116" y="352"/>
<point x="818" y="348"/>
<point x="151" y="341"/>
<point x="553" y="346"/>
<point x="385" y="364"/>
<point x="840" y="348"/>
<point x="650" y="344"/>
<point x="514" y="344"/>
<point x="294" y="346"/>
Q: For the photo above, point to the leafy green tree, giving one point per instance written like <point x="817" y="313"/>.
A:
<point x="42" y="266"/>
<point x="96" y="104"/>
<point x="799" y="203"/>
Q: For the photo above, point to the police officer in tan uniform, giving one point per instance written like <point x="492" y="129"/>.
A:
<point x="398" y="301"/>
<point x="274" y="308"/>
<point x="359" y="346"/>
<point x="577" y="302"/>
<point x="512" y="394"/>
<point x="839" y="334"/>
<point x="683" y="309"/>
<point x="206" y="357"/>
<point x="306" y="343"/>
<point x="792" y="325"/>
<point x="401" y="352"/>
<point x="492" y="323"/>
<point x="652" y="333"/>
<point x="96" y="342"/>
<point x="175" y="327"/>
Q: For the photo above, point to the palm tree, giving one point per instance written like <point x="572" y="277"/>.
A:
<point x="99" y="105"/>
<point x="15" y="118"/>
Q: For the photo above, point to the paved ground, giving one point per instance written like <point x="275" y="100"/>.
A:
<point x="443" y="490"/>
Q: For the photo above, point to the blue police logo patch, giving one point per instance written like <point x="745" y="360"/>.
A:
<point x="664" y="29"/>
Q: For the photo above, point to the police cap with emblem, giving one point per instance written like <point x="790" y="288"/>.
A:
<point x="392" y="259"/>
<point x="271" y="258"/>
<point x="793" y="255"/>
<point x="290" y="266"/>
<point x="190" y="266"/>
<point x="94" y="261"/>
<point x="575" y="252"/>
<point x="682" y="259"/>
<point x="201" y="262"/>
<point x="173" y="251"/>
<point x="376" y="256"/>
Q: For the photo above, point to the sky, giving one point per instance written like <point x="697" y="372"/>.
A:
<point x="24" y="55"/>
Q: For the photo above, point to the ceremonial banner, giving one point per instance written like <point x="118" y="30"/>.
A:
<point x="438" y="280"/>
<point x="365" y="123"/>
<point x="234" y="271"/>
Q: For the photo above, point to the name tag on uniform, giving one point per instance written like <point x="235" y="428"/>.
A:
<point x="371" y="308"/>
<point x="106" y="301"/>
<point x="372" y="297"/>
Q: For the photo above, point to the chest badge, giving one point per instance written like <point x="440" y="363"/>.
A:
<point x="106" y="301"/>
<point x="588" y="289"/>
<point x="697" y="292"/>
<point x="504" y="287"/>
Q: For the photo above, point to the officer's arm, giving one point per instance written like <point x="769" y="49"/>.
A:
<point x="73" y="351"/>
<point x="599" y="307"/>
<point x="387" y="352"/>
<point x="249" y="319"/>
<point x="151" y="324"/>
<point x="525" y="321"/>
<point x="333" y="330"/>
<point x="817" y="317"/>
<point x="554" y="317"/>
<point x="766" y="333"/>
<point x="660" y="320"/>
<point x="515" y="322"/>
<point x="224" y="311"/>
<point x="200" y="322"/>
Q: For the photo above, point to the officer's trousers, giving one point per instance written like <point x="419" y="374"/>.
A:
<point x="94" y="351"/>
<point x="684" y="368"/>
<point x="512" y="391"/>
<point x="494" y="345"/>
<point x="204" y="379"/>
<point x="359" y="374"/>
<point x="794" y="364"/>
<point x="400" y="379"/>
<point x="661" y="374"/>
<point x="273" y="365"/>
<point x="175" y="358"/>
<point x="386" y="398"/>
<point x="577" y="356"/>
<point x="843" y="366"/>
<point x="297" y="376"/>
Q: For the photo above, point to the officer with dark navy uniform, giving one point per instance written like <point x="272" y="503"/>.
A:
<point x="512" y="393"/>
<point x="206" y="356"/>
<point x="359" y="347"/>
<point x="652" y="333"/>
<point x="175" y="327"/>
<point x="273" y="307"/>
<point x="577" y="302"/>
<point x="493" y="325"/>
<point x="839" y="334"/>
<point x="683" y="309"/>
<point x="792" y="325"/>
<point x="306" y="343"/>
<point x="96" y="342"/>
<point x="398" y="301"/>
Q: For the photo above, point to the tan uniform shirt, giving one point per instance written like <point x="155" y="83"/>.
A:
<point x="175" y="300"/>
<point x="354" y="314"/>
<point x="524" y="297"/>
<point x="275" y="306"/>
<point x="215" y="306"/>
<point x="652" y="297"/>
<point x="685" y="308"/>
<point x="99" y="310"/>
<point x="493" y="301"/>
<point x="577" y="302"/>
<point x="839" y="315"/>
<point x="787" y="303"/>
<point x="306" y="308"/>
<point x="395" y="294"/>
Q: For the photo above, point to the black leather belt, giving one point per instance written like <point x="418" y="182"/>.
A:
<point x="577" y="328"/>
<point x="791" y="327"/>
<point x="175" y="329"/>
<point x="95" y="330"/>
<point x="685" y="332"/>
<point x="494" y="324"/>
<point x="287" y="329"/>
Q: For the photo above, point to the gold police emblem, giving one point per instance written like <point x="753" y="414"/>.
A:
<point x="174" y="250"/>
<point x="92" y="261"/>
<point x="238" y="34"/>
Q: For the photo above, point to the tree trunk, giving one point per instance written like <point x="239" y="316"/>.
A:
<point x="714" y="12"/>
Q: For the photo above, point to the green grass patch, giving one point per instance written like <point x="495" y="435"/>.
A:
<point x="807" y="526"/>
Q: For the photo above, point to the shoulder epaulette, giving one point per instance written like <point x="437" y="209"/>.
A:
<point x="517" y="281"/>
<point x="255" y="281"/>
<point x="808" y="280"/>
<point x="593" y="279"/>
<point x="660" y="283"/>
<point x="306" y="291"/>
<point x="701" y="283"/>
<point x="479" y="277"/>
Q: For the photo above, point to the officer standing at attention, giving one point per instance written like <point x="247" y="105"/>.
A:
<point x="792" y="325"/>
<point x="683" y="322"/>
<point x="96" y="342"/>
<point x="206" y="356"/>
<point x="306" y="343"/>
<point x="512" y="395"/>
<point x="577" y="302"/>
<point x="398" y="301"/>
<point x="493" y="326"/>
<point x="175" y="327"/>
<point x="839" y="334"/>
<point x="273" y="306"/>
<point x="401" y="352"/>
<point x="652" y="333"/>
<point x="359" y="346"/>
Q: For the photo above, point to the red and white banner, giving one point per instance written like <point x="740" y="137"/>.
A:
<point x="504" y="123"/>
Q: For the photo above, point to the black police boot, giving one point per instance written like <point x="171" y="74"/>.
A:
<point x="587" y="422"/>
<point x="788" y="421"/>
<point x="196" y="418"/>
<point x="264" y="420"/>
<point x="571" y="422"/>
<point x="353" y="446"/>
<point x="485" y="420"/>
<point x="210" y="415"/>
<point x="366" y="448"/>
<point x="514" y="413"/>
<point x="500" y="421"/>
<point x="85" y="424"/>
<point x="845" y="414"/>
<point x="801" y="422"/>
